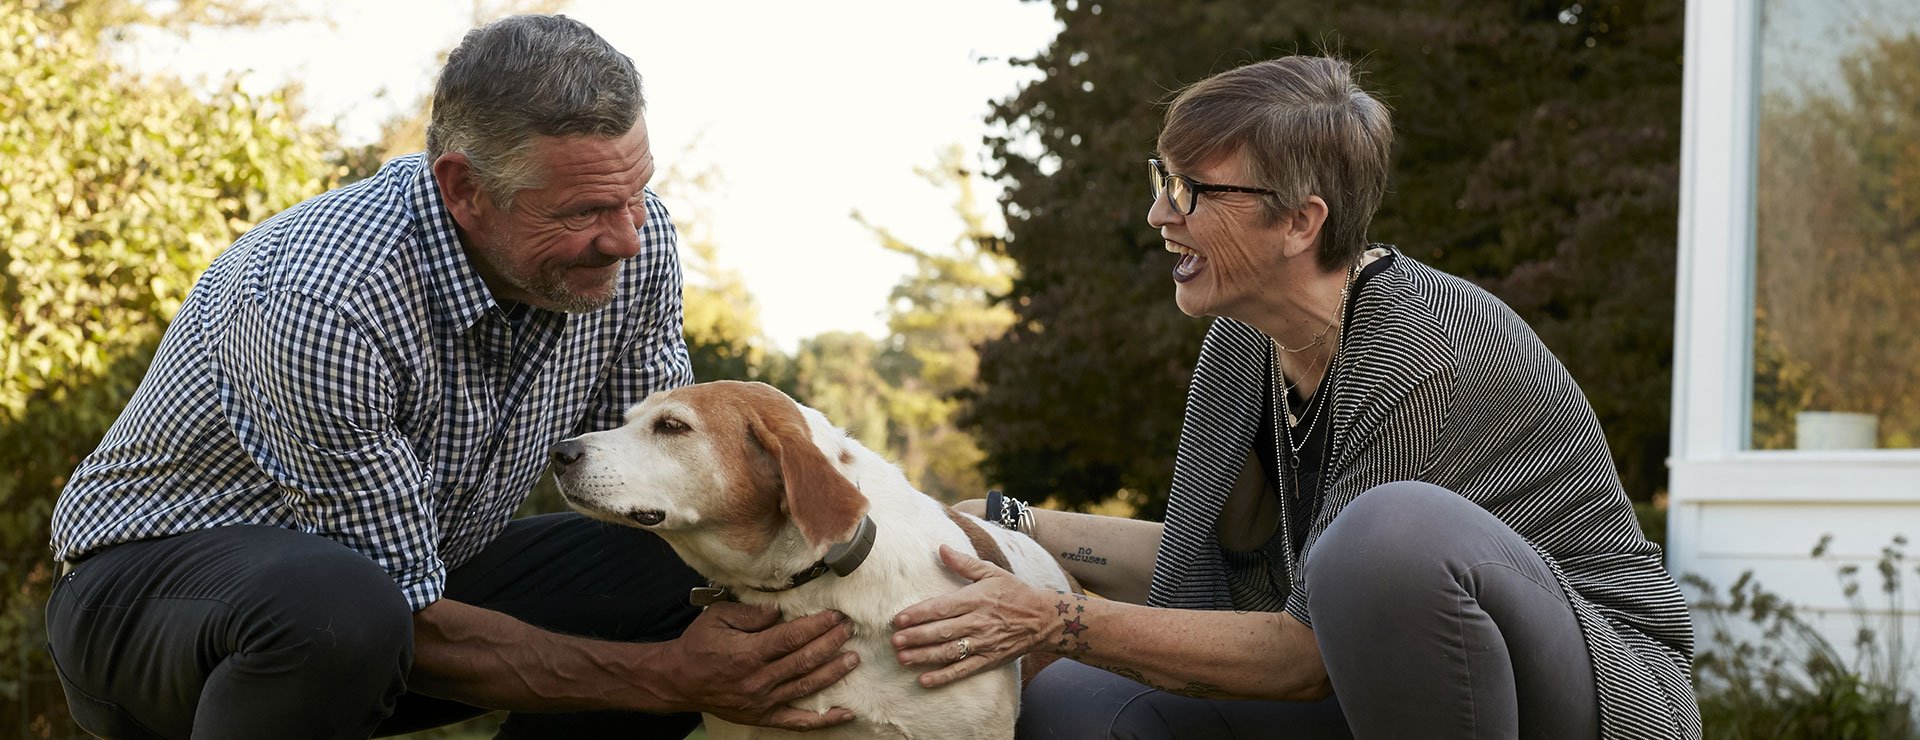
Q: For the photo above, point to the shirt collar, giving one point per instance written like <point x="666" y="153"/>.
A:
<point x="459" y="297"/>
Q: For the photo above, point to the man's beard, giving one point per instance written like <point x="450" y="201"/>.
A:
<point x="547" y="283"/>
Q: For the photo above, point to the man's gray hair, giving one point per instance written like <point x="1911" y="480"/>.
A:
<point x="1305" y="128"/>
<point x="523" y="77"/>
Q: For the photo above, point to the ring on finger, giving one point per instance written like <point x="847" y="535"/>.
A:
<point x="965" y="648"/>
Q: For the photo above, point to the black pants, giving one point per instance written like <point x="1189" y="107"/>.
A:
<point x="262" y="632"/>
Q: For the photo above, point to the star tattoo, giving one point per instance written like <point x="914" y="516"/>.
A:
<point x="1073" y="639"/>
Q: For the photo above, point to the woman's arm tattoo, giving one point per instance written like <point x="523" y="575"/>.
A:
<point x="1194" y="689"/>
<point x="1073" y="632"/>
<point x="1084" y="555"/>
<point x="1073" y="643"/>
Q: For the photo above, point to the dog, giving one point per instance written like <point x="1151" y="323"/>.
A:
<point x="756" y="491"/>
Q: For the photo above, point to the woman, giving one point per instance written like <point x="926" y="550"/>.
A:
<point x="1393" y="511"/>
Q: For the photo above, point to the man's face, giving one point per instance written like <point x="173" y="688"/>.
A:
<point x="560" y="246"/>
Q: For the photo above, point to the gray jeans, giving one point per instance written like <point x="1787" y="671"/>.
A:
<point x="1435" y="620"/>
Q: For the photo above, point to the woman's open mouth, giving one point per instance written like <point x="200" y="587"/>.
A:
<point x="1190" y="264"/>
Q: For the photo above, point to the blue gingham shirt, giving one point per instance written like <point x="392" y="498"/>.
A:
<point x="342" y="370"/>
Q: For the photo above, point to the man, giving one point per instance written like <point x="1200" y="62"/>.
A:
<point x="299" y="526"/>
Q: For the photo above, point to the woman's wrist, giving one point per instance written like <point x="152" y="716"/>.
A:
<point x="1066" y="635"/>
<point x="1009" y="512"/>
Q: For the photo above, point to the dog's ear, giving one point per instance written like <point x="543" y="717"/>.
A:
<point x="822" y="502"/>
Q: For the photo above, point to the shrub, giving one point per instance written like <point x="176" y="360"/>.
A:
<point x="1794" y="683"/>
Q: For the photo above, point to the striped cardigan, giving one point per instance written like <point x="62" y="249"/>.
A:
<point x="1441" y="382"/>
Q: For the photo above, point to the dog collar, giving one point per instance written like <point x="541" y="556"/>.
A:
<point x="842" y="558"/>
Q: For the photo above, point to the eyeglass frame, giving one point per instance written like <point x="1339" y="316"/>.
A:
<point x="1161" y="179"/>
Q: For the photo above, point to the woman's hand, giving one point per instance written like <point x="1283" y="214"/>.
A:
<point x="978" y="627"/>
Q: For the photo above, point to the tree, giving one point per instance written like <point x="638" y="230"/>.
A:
<point x="118" y="191"/>
<point x="1537" y="155"/>
<point x="836" y="373"/>
<point x="406" y="132"/>
<point x="936" y="317"/>
<point x="721" y="318"/>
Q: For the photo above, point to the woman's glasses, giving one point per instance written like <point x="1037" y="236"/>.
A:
<point x="1183" y="193"/>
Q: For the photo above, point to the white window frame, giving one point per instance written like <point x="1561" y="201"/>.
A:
<point x="1711" y="463"/>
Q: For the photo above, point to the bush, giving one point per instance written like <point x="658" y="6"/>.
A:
<point x="1794" y="683"/>
<point x="117" y="192"/>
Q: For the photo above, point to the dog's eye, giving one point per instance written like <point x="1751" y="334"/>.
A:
<point x="670" y="425"/>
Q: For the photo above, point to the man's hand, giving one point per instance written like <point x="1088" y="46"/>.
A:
<point x="738" y="663"/>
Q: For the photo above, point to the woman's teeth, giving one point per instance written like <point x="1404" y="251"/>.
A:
<point x="1190" y="264"/>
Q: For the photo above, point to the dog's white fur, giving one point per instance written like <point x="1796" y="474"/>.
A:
<point x="695" y="477"/>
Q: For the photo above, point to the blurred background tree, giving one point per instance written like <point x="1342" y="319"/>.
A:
<point x="118" y="190"/>
<point x="721" y="317"/>
<point x="936" y="317"/>
<point x="1537" y="155"/>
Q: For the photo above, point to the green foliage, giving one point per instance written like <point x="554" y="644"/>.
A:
<point x="1652" y="516"/>
<point x="899" y="395"/>
<point x="721" y="319"/>
<point x="1794" y="683"/>
<point x="838" y="374"/>
<point x="118" y="191"/>
<point x="936" y="317"/>
<point x="1537" y="155"/>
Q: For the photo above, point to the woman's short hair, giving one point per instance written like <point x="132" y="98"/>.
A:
<point x="1305" y="127"/>
<point x="523" y="77"/>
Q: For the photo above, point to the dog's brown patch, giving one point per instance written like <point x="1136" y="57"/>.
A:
<point x="846" y="457"/>
<point x="817" y="498"/>
<point x="983" y="543"/>
<point x="775" y="472"/>
<point x="748" y="512"/>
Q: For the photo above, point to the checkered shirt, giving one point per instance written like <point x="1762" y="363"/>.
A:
<point x="342" y="370"/>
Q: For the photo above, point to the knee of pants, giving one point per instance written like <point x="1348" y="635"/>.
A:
<point x="1377" y="541"/>
<point x="334" y="609"/>
<point x="1070" y="700"/>
<point x="1052" y="691"/>
<point x="1144" y="719"/>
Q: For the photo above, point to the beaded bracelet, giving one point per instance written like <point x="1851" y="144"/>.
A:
<point x="1009" y="512"/>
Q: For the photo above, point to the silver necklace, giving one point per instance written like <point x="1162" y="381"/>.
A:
<point x="1284" y="391"/>
<point x="1315" y="342"/>
<point x="1286" y="388"/>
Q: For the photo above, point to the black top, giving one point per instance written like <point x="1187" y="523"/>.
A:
<point x="1307" y="489"/>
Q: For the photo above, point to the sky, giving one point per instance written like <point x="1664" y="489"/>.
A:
<point x="1803" y="41"/>
<point x="804" y="111"/>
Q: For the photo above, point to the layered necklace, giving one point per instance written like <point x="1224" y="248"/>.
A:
<point x="1319" y="400"/>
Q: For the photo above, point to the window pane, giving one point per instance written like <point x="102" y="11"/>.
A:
<point x="1837" y="226"/>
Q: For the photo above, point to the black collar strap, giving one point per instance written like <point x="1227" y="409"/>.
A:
<point x="843" y="558"/>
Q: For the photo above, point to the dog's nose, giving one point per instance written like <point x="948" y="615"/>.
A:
<point x="567" y="453"/>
